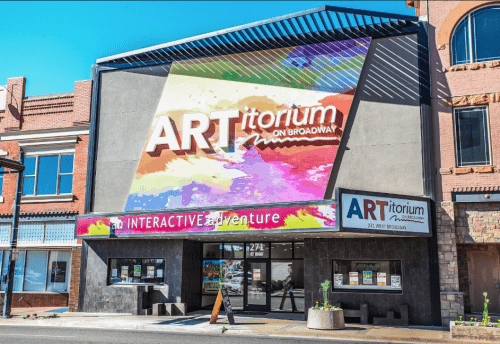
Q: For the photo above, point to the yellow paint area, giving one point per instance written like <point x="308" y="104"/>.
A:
<point x="99" y="228"/>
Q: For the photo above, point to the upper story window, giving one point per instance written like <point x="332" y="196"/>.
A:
<point x="472" y="136"/>
<point x="48" y="175"/>
<point x="475" y="37"/>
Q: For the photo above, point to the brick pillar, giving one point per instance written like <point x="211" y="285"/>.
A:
<point x="74" y="288"/>
<point x="452" y="301"/>
<point x="13" y="106"/>
<point x="82" y="99"/>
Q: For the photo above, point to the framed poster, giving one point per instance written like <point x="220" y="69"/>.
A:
<point x="58" y="274"/>
<point x="150" y="272"/>
<point x="124" y="272"/>
<point x="114" y="272"/>
<point x="338" y="279"/>
<point x="137" y="271"/>
<point x="159" y="273"/>
<point x="353" y="278"/>
<point x="367" y="277"/>
<point x="381" y="279"/>
<point x="396" y="281"/>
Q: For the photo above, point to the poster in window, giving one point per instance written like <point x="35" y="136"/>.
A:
<point x="338" y="279"/>
<point x="114" y="272"/>
<point x="150" y="272"/>
<point x="353" y="278"/>
<point x="124" y="272"/>
<point x="159" y="273"/>
<point x="381" y="279"/>
<point x="58" y="272"/>
<point x="212" y="273"/>
<point x="367" y="277"/>
<point x="137" y="271"/>
<point x="396" y="281"/>
<point x="256" y="274"/>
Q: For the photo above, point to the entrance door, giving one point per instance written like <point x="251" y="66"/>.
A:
<point x="257" y="285"/>
<point x="484" y="276"/>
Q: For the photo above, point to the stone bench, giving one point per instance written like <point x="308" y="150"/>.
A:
<point x="391" y="321"/>
<point x="361" y="313"/>
<point x="169" y="309"/>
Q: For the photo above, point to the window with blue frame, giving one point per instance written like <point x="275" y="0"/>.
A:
<point x="48" y="175"/>
<point x="474" y="37"/>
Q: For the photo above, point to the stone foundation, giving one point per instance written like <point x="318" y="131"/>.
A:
<point x="452" y="306"/>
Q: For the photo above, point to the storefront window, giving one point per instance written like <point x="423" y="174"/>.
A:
<point x="287" y="286"/>
<point x="281" y="250"/>
<point x="298" y="250"/>
<point x="381" y="275"/>
<point x="5" y="269"/>
<point x="257" y="250"/>
<point x="19" y="271"/>
<point x="36" y="271"/>
<point x="58" y="271"/>
<point x="136" y="271"/>
<point x="233" y="251"/>
<point x="212" y="250"/>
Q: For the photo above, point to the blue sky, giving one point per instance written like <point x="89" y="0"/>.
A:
<point x="53" y="44"/>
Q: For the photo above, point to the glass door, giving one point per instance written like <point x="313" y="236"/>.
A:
<point x="257" y="285"/>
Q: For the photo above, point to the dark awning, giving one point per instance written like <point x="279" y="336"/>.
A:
<point x="317" y="25"/>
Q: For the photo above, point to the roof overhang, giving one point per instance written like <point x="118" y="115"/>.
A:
<point x="317" y="25"/>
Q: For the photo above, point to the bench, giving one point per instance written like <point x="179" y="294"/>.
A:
<point x="361" y="313"/>
<point x="169" y="309"/>
<point x="391" y="321"/>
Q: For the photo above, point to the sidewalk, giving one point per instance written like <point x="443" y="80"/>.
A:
<point x="271" y="325"/>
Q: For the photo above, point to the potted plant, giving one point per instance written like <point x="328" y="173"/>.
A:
<point x="327" y="317"/>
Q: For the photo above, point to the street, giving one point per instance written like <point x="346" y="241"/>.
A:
<point x="35" y="334"/>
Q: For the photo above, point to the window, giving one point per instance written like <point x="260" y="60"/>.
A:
<point x="473" y="36"/>
<point x="360" y="275"/>
<point x="48" y="175"/>
<point x="38" y="270"/>
<point x="136" y="271"/>
<point x="472" y="137"/>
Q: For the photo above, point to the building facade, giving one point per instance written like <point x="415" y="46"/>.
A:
<point x="465" y="77"/>
<point x="52" y="132"/>
<point x="265" y="159"/>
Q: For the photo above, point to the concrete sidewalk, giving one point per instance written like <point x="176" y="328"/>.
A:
<point x="271" y="325"/>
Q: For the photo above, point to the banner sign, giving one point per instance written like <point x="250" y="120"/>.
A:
<point x="250" y="128"/>
<point x="381" y="213"/>
<point x="278" y="218"/>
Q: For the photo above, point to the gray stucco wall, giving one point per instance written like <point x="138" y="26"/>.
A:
<point x="381" y="149"/>
<point x="413" y="253"/>
<point x="183" y="266"/>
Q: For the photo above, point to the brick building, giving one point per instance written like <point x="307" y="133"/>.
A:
<point x="465" y="73"/>
<point x="52" y="131"/>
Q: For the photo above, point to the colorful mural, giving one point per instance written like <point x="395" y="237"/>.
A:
<point x="252" y="128"/>
<point x="277" y="218"/>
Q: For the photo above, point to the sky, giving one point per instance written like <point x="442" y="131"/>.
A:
<point x="54" y="44"/>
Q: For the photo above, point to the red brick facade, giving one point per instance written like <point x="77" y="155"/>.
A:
<point x="461" y="227"/>
<point x="58" y="117"/>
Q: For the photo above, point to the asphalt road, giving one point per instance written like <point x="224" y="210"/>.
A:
<point x="55" y="335"/>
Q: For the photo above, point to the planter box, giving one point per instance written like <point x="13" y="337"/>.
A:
<point x="474" y="332"/>
<point x="325" y="320"/>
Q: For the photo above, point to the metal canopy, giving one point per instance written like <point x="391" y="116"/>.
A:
<point x="317" y="25"/>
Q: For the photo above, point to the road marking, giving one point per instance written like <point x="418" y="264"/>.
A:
<point x="34" y="335"/>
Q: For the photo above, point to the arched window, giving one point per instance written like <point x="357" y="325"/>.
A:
<point x="476" y="37"/>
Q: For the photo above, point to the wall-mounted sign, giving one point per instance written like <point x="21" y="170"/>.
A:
<point x="256" y="249"/>
<point x="383" y="213"/>
<point x="278" y="218"/>
<point x="248" y="128"/>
